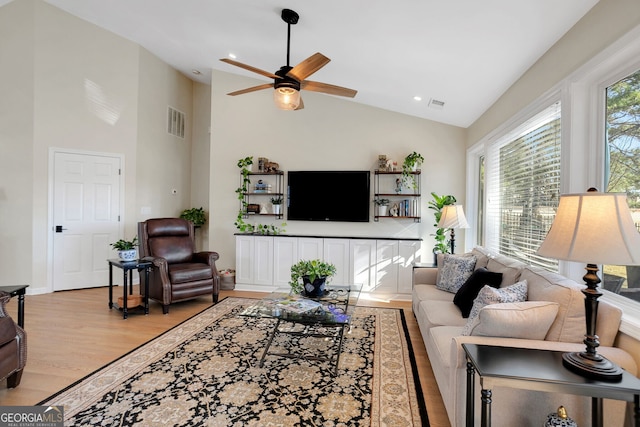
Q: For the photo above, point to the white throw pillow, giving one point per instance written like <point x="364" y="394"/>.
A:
<point x="526" y="320"/>
<point x="488" y="295"/>
<point x="455" y="270"/>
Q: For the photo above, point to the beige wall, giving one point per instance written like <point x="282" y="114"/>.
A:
<point x="75" y="86"/>
<point x="16" y="136"/>
<point x="606" y="22"/>
<point x="329" y="133"/>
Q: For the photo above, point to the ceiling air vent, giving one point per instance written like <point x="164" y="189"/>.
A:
<point x="435" y="104"/>
<point x="175" y="122"/>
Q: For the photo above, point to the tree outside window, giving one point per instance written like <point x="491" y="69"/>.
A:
<point x="622" y="169"/>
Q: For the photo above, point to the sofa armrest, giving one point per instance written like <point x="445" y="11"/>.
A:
<point x="425" y="275"/>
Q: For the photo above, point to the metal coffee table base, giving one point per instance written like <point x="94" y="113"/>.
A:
<point x="305" y="332"/>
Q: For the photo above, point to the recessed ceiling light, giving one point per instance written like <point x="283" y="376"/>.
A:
<point x="417" y="98"/>
<point x="232" y="56"/>
<point x="196" y="72"/>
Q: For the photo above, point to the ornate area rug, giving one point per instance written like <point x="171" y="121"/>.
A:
<point x="204" y="372"/>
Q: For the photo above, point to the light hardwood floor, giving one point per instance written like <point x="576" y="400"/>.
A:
<point x="72" y="333"/>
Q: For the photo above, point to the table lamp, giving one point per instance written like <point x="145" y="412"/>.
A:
<point x="595" y="228"/>
<point x="453" y="217"/>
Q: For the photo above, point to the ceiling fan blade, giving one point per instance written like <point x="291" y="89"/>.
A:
<point x="250" y="68"/>
<point x="301" y="105"/>
<point x="252" y="89"/>
<point x="308" y="66"/>
<point x="327" y="88"/>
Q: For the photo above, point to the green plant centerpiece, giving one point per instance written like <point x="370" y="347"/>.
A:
<point x="409" y="165"/>
<point x="381" y="202"/>
<point x="437" y="204"/>
<point x="196" y="215"/>
<point x="127" y="249"/>
<point x="311" y="277"/>
<point x="241" y="225"/>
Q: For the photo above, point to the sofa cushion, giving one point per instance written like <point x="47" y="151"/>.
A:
<point x="488" y="295"/>
<point x="569" y="325"/>
<point x="509" y="267"/>
<point x="437" y="313"/>
<point x="526" y="320"/>
<point x="455" y="270"/>
<point x="469" y="290"/>
<point x="482" y="256"/>
<point x="441" y="336"/>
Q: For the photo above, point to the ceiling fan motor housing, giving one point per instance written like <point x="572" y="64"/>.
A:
<point x="283" y="81"/>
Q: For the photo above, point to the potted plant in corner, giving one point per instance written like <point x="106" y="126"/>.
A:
<point x="126" y="249"/>
<point x="196" y="215"/>
<point x="437" y="204"/>
<point x="277" y="204"/>
<point x="311" y="276"/>
<point x="409" y="165"/>
<point x="383" y="205"/>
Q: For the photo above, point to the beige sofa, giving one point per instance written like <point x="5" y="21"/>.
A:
<point x="441" y="325"/>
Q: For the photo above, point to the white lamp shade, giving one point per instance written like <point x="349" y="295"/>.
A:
<point x="286" y="98"/>
<point x="594" y="228"/>
<point x="453" y="217"/>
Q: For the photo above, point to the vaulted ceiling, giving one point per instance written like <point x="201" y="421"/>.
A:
<point x="464" y="53"/>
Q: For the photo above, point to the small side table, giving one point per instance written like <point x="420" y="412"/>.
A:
<point x="128" y="267"/>
<point x="542" y="370"/>
<point x="19" y="291"/>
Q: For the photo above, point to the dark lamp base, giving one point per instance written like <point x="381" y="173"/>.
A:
<point x="597" y="368"/>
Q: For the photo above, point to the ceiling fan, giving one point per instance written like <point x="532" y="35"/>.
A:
<point x="288" y="81"/>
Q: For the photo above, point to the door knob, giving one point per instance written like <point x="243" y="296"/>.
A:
<point x="59" y="229"/>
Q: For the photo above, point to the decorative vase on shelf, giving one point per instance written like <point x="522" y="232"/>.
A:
<point x="382" y="210"/>
<point x="277" y="209"/>
<point x="315" y="288"/>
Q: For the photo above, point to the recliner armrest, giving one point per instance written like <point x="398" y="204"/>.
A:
<point x="207" y="257"/>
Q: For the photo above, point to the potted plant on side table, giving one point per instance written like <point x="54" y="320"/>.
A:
<point x="310" y="277"/>
<point x="126" y="249"/>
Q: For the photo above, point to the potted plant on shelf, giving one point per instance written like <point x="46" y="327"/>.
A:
<point x="196" y="215"/>
<point x="409" y="165"/>
<point x="277" y="204"/>
<point x="126" y="249"/>
<point x="383" y="205"/>
<point x="437" y="204"/>
<point x="311" y="277"/>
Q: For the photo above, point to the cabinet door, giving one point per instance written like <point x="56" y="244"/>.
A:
<point x="309" y="248"/>
<point x="386" y="266"/>
<point x="285" y="251"/>
<point x="363" y="263"/>
<point x="244" y="259"/>
<point x="263" y="261"/>
<point x="336" y="251"/>
<point x="409" y="252"/>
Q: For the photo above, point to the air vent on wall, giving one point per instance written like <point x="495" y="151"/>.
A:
<point x="175" y="122"/>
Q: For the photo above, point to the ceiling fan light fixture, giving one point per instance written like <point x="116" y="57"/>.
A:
<point x="286" y="97"/>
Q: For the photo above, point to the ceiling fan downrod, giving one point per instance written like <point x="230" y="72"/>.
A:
<point x="291" y="18"/>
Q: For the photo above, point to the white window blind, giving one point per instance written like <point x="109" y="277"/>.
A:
<point x="523" y="187"/>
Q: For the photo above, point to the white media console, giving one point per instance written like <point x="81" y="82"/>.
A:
<point x="382" y="265"/>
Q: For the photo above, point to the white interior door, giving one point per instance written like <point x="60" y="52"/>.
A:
<point x="86" y="207"/>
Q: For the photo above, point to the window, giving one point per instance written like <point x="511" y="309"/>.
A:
<point x="622" y="169"/>
<point x="522" y="173"/>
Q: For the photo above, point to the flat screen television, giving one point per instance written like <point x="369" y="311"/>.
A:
<point x="328" y="196"/>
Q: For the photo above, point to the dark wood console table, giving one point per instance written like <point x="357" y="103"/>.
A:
<point x="19" y="291"/>
<point x="541" y="370"/>
<point x="128" y="267"/>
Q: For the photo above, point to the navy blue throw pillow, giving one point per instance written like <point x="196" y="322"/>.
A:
<point x="469" y="290"/>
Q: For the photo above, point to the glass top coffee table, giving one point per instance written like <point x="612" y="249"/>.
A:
<point x="325" y="317"/>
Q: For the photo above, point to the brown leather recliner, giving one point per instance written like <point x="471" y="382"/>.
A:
<point x="179" y="272"/>
<point x="13" y="346"/>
